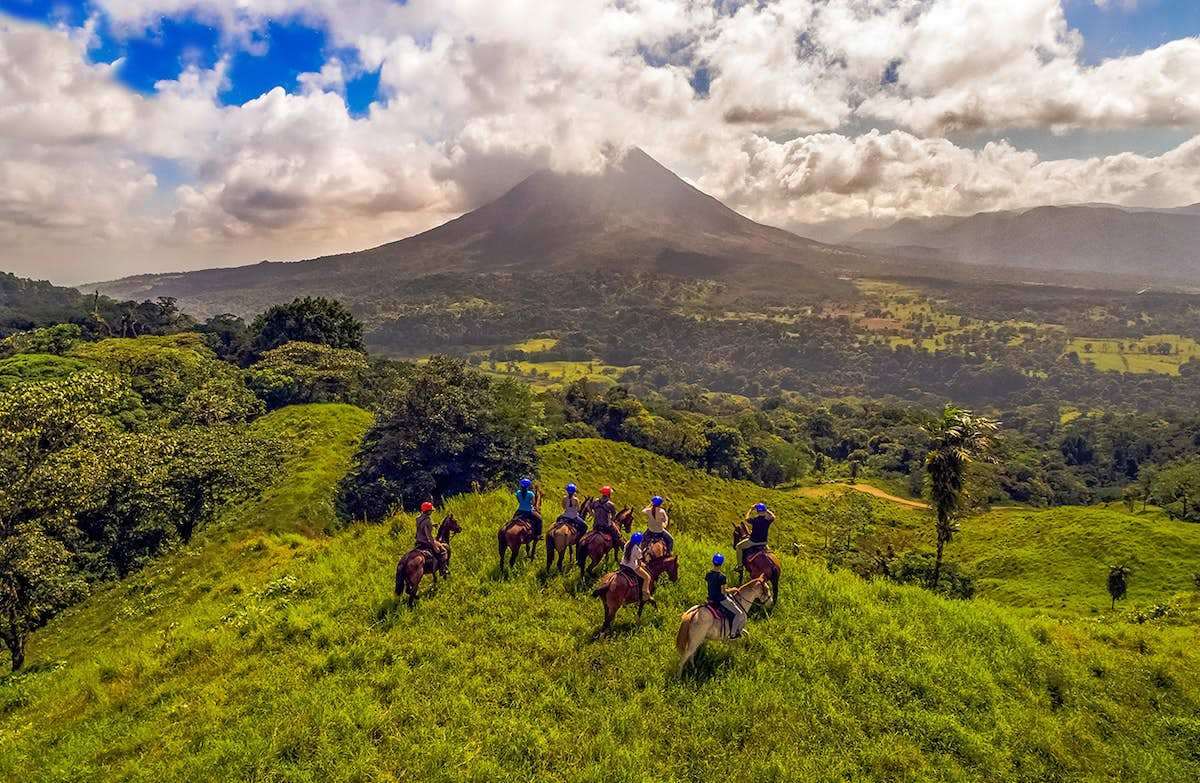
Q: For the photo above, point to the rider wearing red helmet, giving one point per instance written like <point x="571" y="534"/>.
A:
<point x="425" y="539"/>
<point x="603" y="514"/>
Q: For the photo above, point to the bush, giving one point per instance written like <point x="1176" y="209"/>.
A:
<point x="916" y="568"/>
<point x="448" y="429"/>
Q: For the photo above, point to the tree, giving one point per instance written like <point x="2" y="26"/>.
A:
<point x="312" y="319"/>
<point x="1118" y="578"/>
<point x="842" y="522"/>
<point x="449" y="427"/>
<point x="957" y="438"/>
<point x="36" y="581"/>
<point x="298" y="372"/>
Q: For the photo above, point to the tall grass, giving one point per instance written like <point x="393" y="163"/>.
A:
<point x="273" y="655"/>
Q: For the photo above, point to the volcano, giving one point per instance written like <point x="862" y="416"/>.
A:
<point x="633" y="215"/>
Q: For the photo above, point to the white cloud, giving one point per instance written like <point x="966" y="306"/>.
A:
<point x="477" y="94"/>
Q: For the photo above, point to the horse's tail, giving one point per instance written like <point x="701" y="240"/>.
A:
<point x="581" y="555"/>
<point x="400" y="577"/>
<point x="683" y="637"/>
<point x="500" y="538"/>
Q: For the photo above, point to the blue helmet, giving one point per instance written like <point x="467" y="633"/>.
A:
<point x="656" y="501"/>
<point x="570" y="489"/>
<point x="636" y="538"/>
<point x="526" y="483"/>
<point x="760" y="507"/>
<point x="718" y="558"/>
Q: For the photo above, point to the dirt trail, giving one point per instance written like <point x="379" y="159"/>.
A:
<point x="866" y="489"/>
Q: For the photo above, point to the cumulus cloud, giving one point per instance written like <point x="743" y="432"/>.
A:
<point x="890" y="175"/>
<point x="475" y="95"/>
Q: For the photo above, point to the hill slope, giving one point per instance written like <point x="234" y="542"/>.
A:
<point x="1152" y="244"/>
<point x="281" y="657"/>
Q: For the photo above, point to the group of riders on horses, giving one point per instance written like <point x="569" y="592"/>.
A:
<point x="635" y="553"/>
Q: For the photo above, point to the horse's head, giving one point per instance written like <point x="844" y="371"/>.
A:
<point x="537" y="500"/>
<point x="739" y="532"/>
<point x="624" y="519"/>
<point x="585" y="507"/>
<point x="758" y="591"/>
<point x="448" y="527"/>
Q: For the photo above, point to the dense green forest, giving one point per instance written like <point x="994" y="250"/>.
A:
<point x="199" y="524"/>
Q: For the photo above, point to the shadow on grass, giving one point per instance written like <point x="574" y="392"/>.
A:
<point x="709" y="663"/>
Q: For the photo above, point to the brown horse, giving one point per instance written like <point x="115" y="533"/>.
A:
<point x="562" y="534"/>
<point x="518" y="533"/>
<point x="596" y="546"/>
<point x="617" y="588"/>
<point x="699" y="624"/>
<point x="761" y="561"/>
<point x="418" y="562"/>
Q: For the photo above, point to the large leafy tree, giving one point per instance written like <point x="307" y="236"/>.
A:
<point x="49" y="473"/>
<point x="299" y="372"/>
<point x="956" y="439"/>
<point x="313" y="319"/>
<point x="449" y="428"/>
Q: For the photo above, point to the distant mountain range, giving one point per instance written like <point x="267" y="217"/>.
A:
<point x="634" y="216"/>
<point x="1150" y="244"/>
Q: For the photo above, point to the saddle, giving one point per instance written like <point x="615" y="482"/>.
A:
<point x="628" y="577"/>
<point x="650" y="538"/>
<point x="522" y="521"/>
<point x="599" y="533"/>
<point x="754" y="553"/>
<point x="429" y="559"/>
<point x="722" y="616"/>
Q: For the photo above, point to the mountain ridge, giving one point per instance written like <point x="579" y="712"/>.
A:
<point x="1156" y="244"/>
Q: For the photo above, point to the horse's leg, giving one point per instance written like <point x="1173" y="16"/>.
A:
<point x="610" y="610"/>
<point x="549" y="554"/>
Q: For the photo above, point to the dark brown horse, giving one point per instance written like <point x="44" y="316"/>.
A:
<point x="562" y="534"/>
<point x="618" y="588"/>
<point x="759" y="560"/>
<point x="418" y="562"/>
<point x="518" y="533"/>
<point x="596" y="545"/>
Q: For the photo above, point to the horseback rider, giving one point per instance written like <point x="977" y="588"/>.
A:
<point x="603" y="514"/>
<point x="631" y="560"/>
<point x="718" y="596"/>
<point x="525" y="509"/>
<point x="570" y="515"/>
<point x="758" y="519"/>
<point x="425" y="540"/>
<point x="657" y="521"/>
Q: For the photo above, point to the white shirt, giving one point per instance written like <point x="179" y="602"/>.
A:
<point x="634" y="558"/>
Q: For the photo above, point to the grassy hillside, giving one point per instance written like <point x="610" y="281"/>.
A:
<point x="262" y="653"/>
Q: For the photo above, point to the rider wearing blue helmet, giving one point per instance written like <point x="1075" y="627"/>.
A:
<point x="657" y="521"/>
<point x="526" y="497"/>
<point x="631" y="561"/>
<point x="758" y="519"/>
<point x="718" y="596"/>
<point x="572" y="512"/>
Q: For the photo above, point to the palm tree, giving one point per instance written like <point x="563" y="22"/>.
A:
<point x="957" y="438"/>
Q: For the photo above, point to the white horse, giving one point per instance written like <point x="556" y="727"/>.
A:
<point x="698" y="625"/>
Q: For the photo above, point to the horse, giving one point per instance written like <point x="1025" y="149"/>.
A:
<point x="617" y="588"/>
<point x="596" y="546"/>
<point x="418" y="562"/>
<point x="699" y="624"/>
<point x="761" y="561"/>
<point x="657" y="560"/>
<point x="562" y="534"/>
<point x="518" y="533"/>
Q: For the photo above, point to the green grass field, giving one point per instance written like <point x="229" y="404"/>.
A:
<point x="271" y="650"/>
<point x="1137" y="356"/>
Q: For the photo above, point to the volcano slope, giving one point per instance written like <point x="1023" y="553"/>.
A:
<point x="272" y="649"/>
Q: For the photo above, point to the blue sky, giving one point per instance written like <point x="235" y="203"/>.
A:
<point x="138" y="134"/>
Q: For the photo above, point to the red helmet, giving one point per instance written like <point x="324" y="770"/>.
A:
<point x="605" y="491"/>
<point x="427" y="506"/>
